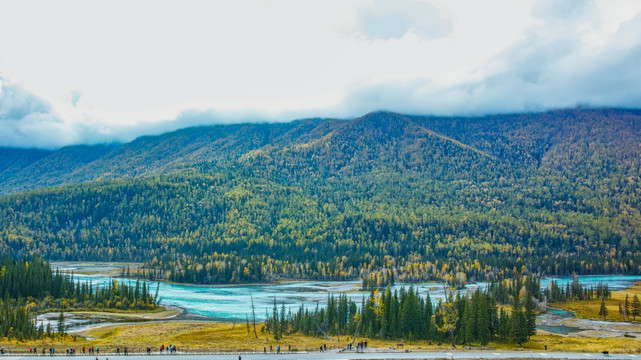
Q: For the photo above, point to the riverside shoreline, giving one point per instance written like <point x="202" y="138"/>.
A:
<point x="373" y="354"/>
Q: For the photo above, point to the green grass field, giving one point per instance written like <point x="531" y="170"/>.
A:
<point x="203" y="336"/>
<point x="590" y="309"/>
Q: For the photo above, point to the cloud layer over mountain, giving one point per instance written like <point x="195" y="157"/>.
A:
<point x="75" y="72"/>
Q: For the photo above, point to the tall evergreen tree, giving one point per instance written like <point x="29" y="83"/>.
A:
<point x="276" y="330"/>
<point x="484" y="322"/>
<point x="621" y="313"/>
<point x="61" y="323"/>
<point x="626" y="308"/>
<point x="518" y="328"/>
<point x="530" y="315"/>
<point x="635" y="308"/>
<point x="603" y="310"/>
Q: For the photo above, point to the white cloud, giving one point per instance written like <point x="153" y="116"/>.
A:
<point x="104" y="71"/>
<point x="384" y="20"/>
<point x="23" y="115"/>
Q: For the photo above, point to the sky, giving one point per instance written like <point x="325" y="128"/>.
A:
<point x="86" y="72"/>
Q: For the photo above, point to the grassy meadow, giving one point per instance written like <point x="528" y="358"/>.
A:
<point x="205" y="336"/>
<point x="200" y="336"/>
<point x="590" y="309"/>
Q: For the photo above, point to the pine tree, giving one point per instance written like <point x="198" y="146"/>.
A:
<point x="275" y="323"/>
<point x="384" y="313"/>
<point x="61" y="323"/>
<point x="518" y="328"/>
<point x="484" y="332"/>
<point x="626" y="308"/>
<point x="429" y="313"/>
<point x="505" y="324"/>
<point x="468" y="324"/>
<point x="603" y="311"/>
<point x="283" y="321"/>
<point x="635" y="307"/>
<point x="621" y="313"/>
<point x="530" y="315"/>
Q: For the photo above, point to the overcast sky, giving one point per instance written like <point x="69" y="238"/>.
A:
<point x="84" y="71"/>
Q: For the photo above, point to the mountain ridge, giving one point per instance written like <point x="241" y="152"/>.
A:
<point x="159" y="154"/>
<point x="382" y="197"/>
<point x="27" y="169"/>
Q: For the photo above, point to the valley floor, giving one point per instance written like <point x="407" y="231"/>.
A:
<point x="591" y="336"/>
<point x="365" y="355"/>
<point x="211" y="337"/>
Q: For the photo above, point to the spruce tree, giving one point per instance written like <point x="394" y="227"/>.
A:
<point x="626" y="308"/>
<point x="603" y="311"/>
<point x="636" y="307"/>
<point x="61" y="323"/>
<point x="621" y="312"/>
<point x="283" y="321"/>
<point x="429" y="312"/>
<point x="384" y="313"/>
<point x="505" y="324"/>
<point x="484" y="332"/>
<point x="275" y="323"/>
<point x="468" y="325"/>
<point x="518" y="328"/>
<point x="530" y="315"/>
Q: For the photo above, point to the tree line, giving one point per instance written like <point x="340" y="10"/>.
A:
<point x="30" y="286"/>
<point x="575" y="291"/>
<point x="459" y="319"/>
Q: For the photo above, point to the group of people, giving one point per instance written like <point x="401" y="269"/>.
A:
<point x="359" y="346"/>
<point x="271" y="349"/>
<point x="171" y="349"/>
<point x="92" y="350"/>
<point x="52" y="351"/>
<point x="70" y="351"/>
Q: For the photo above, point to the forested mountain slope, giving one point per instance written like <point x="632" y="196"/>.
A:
<point x="14" y="160"/>
<point x="378" y="197"/>
<point x="54" y="167"/>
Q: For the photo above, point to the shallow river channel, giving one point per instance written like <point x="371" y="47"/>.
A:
<point x="233" y="303"/>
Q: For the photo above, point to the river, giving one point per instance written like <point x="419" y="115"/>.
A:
<point x="233" y="302"/>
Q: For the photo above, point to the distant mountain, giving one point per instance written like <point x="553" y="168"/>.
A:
<point x="383" y="196"/>
<point x="149" y="155"/>
<point x="15" y="160"/>
<point x="49" y="168"/>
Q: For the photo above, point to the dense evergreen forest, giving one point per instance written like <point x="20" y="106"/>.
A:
<point x="468" y="319"/>
<point x="502" y="311"/>
<point x="382" y="198"/>
<point x="30" y="286"/>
